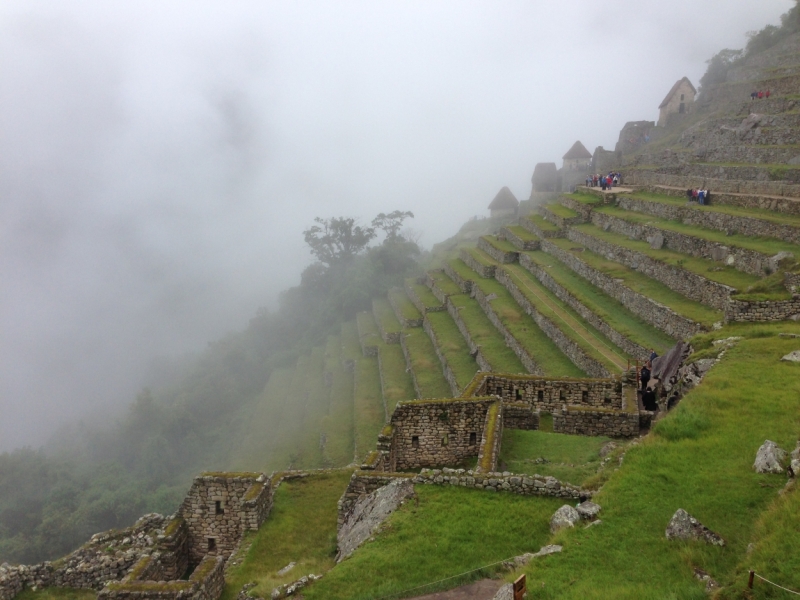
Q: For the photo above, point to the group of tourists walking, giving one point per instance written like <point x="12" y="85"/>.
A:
<point x="699" y="195"/>
<point x="605" y="182"/>
<point x="759" y="94"/>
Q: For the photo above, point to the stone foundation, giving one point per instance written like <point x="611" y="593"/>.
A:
<point x="580" y="421"/>
<point x="767" y="310"/>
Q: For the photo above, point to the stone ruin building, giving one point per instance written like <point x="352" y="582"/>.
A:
<point x="678" y="101"/>
<point x="505" y="204"/>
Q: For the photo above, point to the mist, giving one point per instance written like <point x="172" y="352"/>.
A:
<point x="159" y="161"/>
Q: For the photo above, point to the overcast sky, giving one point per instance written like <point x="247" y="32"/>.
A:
<point x="159" y="160"/>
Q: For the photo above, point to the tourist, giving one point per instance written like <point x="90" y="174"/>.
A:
<point x="689" y="195"/>
<point x="708" y="197"/>
<point x="766" y="93"/>
<point x="653" y="354"/>
<point x="701" y="196"/>
<point x="644" y="375"/>
<point x="753" y="95"/>
<point x="694" y="194"/>
<point x="760" y="94"/>
<point x="649" y="399"/>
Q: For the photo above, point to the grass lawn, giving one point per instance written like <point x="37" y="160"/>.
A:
<point x="570" y="458"/>
<point x="369" y="414"/>
<point x="425" y="364"/>
<point x="607" y="308"/>
<point x="561" y="211"/>
<point x="301" y="528"/>
<point x="483" y="333"/>
<point x="642" y="284"/>
<point x="585" y="198"/>
<point x="542" y="223"/>
<point x="447" y="532"/>
<point x="444" y="283"/>
<point x="337" y="425"/>
<point x="397" y="382"/>
<point x="407" y="309"/>
<point x="522" y="233"/>
<point x="700" y="266"/>
<point x="367" y="327"/>
<point x="481" y="257"/>
<point x="502" y="245"/>
<point x="423" y="293"/>
<point x="384" y="316"/>
<point x="453" y="347"/>
<point x="463" y="270"/>
<point x="700" y="459"/>
<point x="351" y="349"/>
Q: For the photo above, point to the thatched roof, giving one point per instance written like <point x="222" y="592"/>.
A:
<point x="578" y="150"/>
<point x="504" y="199"/>
<point x="675" y="89"/>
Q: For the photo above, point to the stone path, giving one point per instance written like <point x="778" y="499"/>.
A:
<point x="485" y="589"/>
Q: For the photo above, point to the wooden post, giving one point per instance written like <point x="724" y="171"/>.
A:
<point x="750" y="581"/>
<point x="520" y="588"/>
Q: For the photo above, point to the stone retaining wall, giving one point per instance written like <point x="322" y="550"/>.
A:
<point x="435" y="433"/>
<point x="584" y="210"/>
<point x="742" y="259"/>
<point x="572" y="350"/>
<point x="415" y="300"/>
<point x="629" y="346"/>
<point x="655" y="313"/>
<point x="526" y="359"/>
<point x="579" y="421"/>
<point x="755" y="311"/>
<point x="220" y="507"/>
<point x="398" y="312"/>
<point x="694" y="215"/>
<point x="684" y="282"/>
<point x="474" y="348"/>
<point x="558" y="220"/>
<point x="407" y="356"/>
<point x="529" y="225"/>
<point x="517" y="241"/>
<point x="455" y="389"/>
<point x="485" y="271"/>
<point x="547" y="394"/>
<point x="205" y="583"/>
<point x="464" y="284"/>
<point x="518" y="415"/>
<point x="501" y="256"/>
<point x="441" y="296"/>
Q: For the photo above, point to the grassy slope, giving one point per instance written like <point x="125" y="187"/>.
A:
<point x="338" y="423"/>
<point x="384" y="315"/>
<point x="425" y="364"/>
<point x="367" y="404"/>
<point x="301" y="528"/>
<point x="561" y="211"/>
<point x="398" y="384"/>
<point x="453" y="347"/>
<point x="449" y="531"/>
<point x="444" y="283"/>
<point x="642" y="284"/>
<point x="541" y="223"/>
<point x="423" y="293"/>
<point x="406" y="307"/>
<point x="604" y="306"/>
<point x="571" y="458"/>
<point x="701" y="460"/>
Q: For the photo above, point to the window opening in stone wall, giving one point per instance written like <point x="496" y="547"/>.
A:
<point x="473" y="438"/>
<point x="681" y="97"/>
<point x="682" y="108"/>
<point x="415" y="441"/>
<point x="445" y="440"/>
<point x="218" y="507"/>
<point x="212" y="544"/>
<point x="607" y="399"/>
<point x="519" y="394"/>
<point x="584" y="395"/>
<point x="562" y="395"/>
<point x="540" y="395"/>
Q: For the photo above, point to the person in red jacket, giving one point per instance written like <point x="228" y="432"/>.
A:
<point x="767" y="93"/>
<point x="760" y="95"/>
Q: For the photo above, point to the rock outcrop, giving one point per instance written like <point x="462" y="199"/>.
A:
<point x="684" y="526"/>
<point x="769" y="458"/>
<point x="563" y="518"/>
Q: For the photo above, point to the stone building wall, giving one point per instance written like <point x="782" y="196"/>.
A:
<point x="742" y="259"/>
<point x="658" y="315"/>
<point x="435" y="433"/>
<point x="684" y="282"/>
<point x="629" y="346"/>
<point x="220" y="507"/>
<point x="519" y="415"/>
<point x="596" y="421"/>
<point x="679" y="103"/>
<point x="573" y="351"/>
<point x="501" y="256"/>
<point x="604" y="161"/>
<point x="754" y="311"/>
<point x="550" y="395"/>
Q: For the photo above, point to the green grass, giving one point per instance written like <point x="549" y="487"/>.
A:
<point x="423" y="293"/>
<point x="484" y="334"/>
<point x="309" y="448"/>
<point x="725" y="209"/>
<point x="56" y="594"/>
<point x="351" y="349"/>
<point x="700" y="266"/>
<point x="764" y="245"/>
<point x="585" y="198"/>
<point x="700" y="459"/>
<point x="542" y="223"/>
<point x="463" y="270"/>
<point x="642" y="284"/>
<point x="575" y="327"/>
<point x="607" y="308"/>
<point x="425" y="364"/>
<point x="444" y="283"/>
<point x="570" y="458"/>
<point x="337" y="425"/>
<point x="502" y="245"/>
<point x="522" y="233"/>
<point x="385" y="317"/>
<point x="453" y="346"/>
<point x="561" y="211"/>
<point x="481" y="258"/>
<point x="407" y="309"/>
<point x="369" y="413"/>
<point x="367" y="327"/>
<point x="446" y="532"/>
<point x="301" y="528"/>
<point x="398" y="384"/>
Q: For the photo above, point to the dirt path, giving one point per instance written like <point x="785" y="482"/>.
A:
<point x="485" y="589"/>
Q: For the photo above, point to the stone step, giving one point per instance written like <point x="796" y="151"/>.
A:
<point x="619" y="324"/>
<point x="499" y="249"/>
<point x="388" y="324"/>
<point x="696" y="278"/>
<point x="421" y="296"/>
<point x="458" y="364"/>
<point x="559" y="215"/>
<point x="567" y="330"/>
<point x="424" y="366"/>
<point x="541" y="228"/>
<point x="405" y="311"/>
<point x="519" y="237"/>
<point x="649" y="299"/>
<point x="756" y="256"/>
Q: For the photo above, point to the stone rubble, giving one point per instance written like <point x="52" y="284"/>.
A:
<point x="684" y="526"/>
<point x="588" y="510"/>
<point x="291" y="589"/>
<point x="769" y="458"/>
<point x="564" y="518"/>
<point x="792" y="356"/>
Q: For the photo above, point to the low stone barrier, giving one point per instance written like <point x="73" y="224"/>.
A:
<point x="629" y="346"/>
<point x="518" y="415"/>
<point x="407" y="356"/>
<point x="464" y="284"/>
<point x="501" y="256"/>
<point x="485" y="271"/>
<point x="433" y="285"/>
<point x="596" y="421"/>
<point x="765" y="310"/>
<point x="584" y="210"/>
<point x="415" y="300"/>
<point x="492" y="439"/>
<point x="398" y="312"/>
<point x="684" y="282"/>
<point x="524" y="485"/>
<point x="655" y="313"/>
<point x="538" y="231"/>
<point x="205" y="583"/>
<point x="517" y="241"/>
